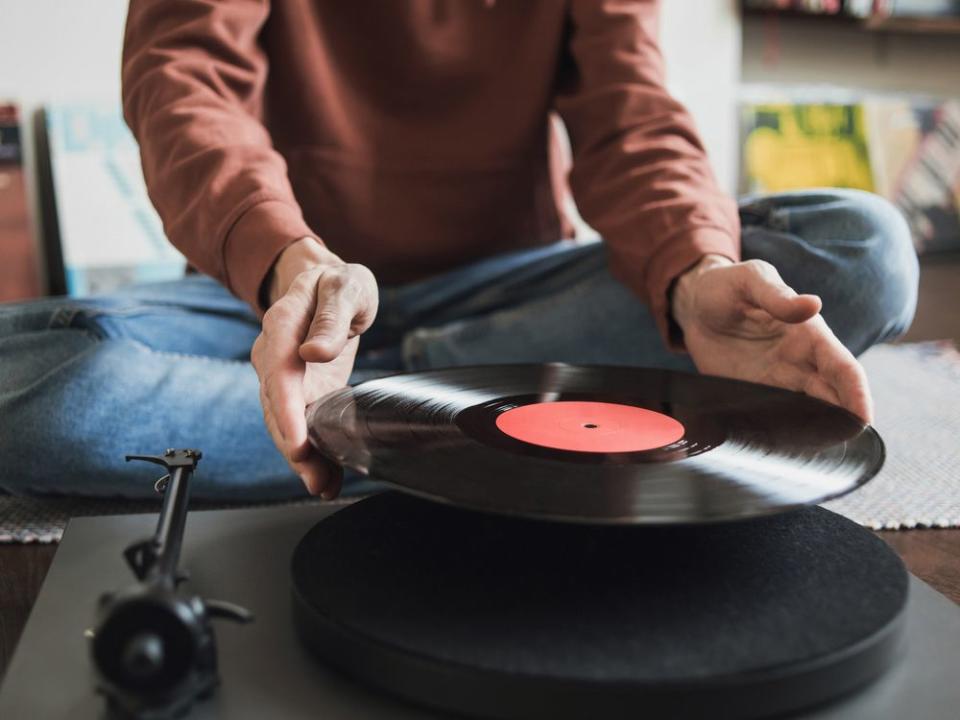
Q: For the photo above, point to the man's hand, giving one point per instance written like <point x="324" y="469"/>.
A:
<point x="319" y="306"/>
<point x="740" y="320"/>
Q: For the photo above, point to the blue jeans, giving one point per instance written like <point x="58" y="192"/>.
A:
<point x="84" y="381"/>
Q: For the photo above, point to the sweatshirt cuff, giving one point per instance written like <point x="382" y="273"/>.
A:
<point x="255" y="242"/>
<point x="675" y="258"/>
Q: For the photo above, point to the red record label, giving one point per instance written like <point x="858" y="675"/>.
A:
<point x="597" y="427"/>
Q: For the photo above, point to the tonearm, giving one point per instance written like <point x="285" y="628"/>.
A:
<point x="153" y="645"/>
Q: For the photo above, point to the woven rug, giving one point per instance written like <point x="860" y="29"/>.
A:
<point x="917" y="393"/>
<point x="43" y="519"/>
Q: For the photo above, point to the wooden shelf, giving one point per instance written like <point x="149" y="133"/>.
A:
<point x="925" y="25"/>
<point x="835" y="19"/>
<point x="907" y="25"/>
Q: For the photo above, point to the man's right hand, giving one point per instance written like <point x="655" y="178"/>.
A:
<point x="319" y="306"/>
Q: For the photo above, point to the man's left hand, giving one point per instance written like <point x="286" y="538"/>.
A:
<point x="740" y="320"/>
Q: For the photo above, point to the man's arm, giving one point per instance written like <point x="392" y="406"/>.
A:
<point x="642" y="179"/>
<point x="193" y="77"/>
<point x="640" y="174"/>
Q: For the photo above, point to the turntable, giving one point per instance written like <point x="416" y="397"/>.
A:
<point x="568" y="542"/>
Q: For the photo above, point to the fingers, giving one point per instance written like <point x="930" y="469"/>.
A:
<point x="345" y="298"/>
<point x="853" y="387"/>
<point x="306" y="349"/>
<point x="828" y="370"/>
<point x="763" y="287"/>
<point x="319" y="476"/>
<point x="329" y="331"/>
<point x="817" y="387"/>
<point x="838" y="377"/>
<point x="776" y="336"/>
<point x="808" y="358"/>
<point x="281" y="372"/>
<point x="846" y="377"/>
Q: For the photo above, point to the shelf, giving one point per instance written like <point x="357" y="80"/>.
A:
<point x="897" y="24"/>
<point x="832" y="18"/>
<point x="931" y="25"/>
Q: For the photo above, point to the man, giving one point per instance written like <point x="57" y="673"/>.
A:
<point x="379" y="181"/>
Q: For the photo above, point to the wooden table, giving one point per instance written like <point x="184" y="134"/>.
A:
<point x="932" y="555"/>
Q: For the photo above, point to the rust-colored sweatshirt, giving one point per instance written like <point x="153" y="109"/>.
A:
<point x="413" y="135"/>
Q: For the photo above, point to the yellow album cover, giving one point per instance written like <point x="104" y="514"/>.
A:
<point x="796" y="146"/>
<point x="905" y="149"/>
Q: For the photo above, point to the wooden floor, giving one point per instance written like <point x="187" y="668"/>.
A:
<point x="22" y="569"/>
<point x="938" y="306"/>
<point x="931" y="555"/>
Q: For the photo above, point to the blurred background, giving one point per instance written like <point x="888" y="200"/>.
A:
<point x="787" y="93"/>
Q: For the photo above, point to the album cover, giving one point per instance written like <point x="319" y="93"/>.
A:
<point x="905" y="149"/>
<point x="109" y="234"/>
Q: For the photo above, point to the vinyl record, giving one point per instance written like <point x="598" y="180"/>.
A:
<point x="597" y="444"/>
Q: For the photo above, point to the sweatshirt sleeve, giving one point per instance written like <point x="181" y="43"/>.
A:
<point x="193" y="75"/>
<point x="640" y="173"/>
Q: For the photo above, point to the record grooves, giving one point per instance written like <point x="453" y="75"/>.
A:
<point x="716" y="449"/>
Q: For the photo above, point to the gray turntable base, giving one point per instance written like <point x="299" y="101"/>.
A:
<point x="244" y="556"/>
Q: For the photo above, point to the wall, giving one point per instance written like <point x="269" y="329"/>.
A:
<point x="58" y="50"/>
<point x="828" y="52"/>
<point x="701" y="44"/>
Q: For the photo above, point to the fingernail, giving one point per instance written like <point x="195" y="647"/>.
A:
<point x="327" y="495"/>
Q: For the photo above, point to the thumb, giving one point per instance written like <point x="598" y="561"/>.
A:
<point x="768" y="292"/>
<point x="328" y="333"/>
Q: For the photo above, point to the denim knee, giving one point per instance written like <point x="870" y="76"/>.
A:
<point x="883" y="282"/>
<point x="852" y="248"/>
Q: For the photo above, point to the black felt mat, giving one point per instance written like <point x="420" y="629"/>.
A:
<point x="608" y="603"/>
